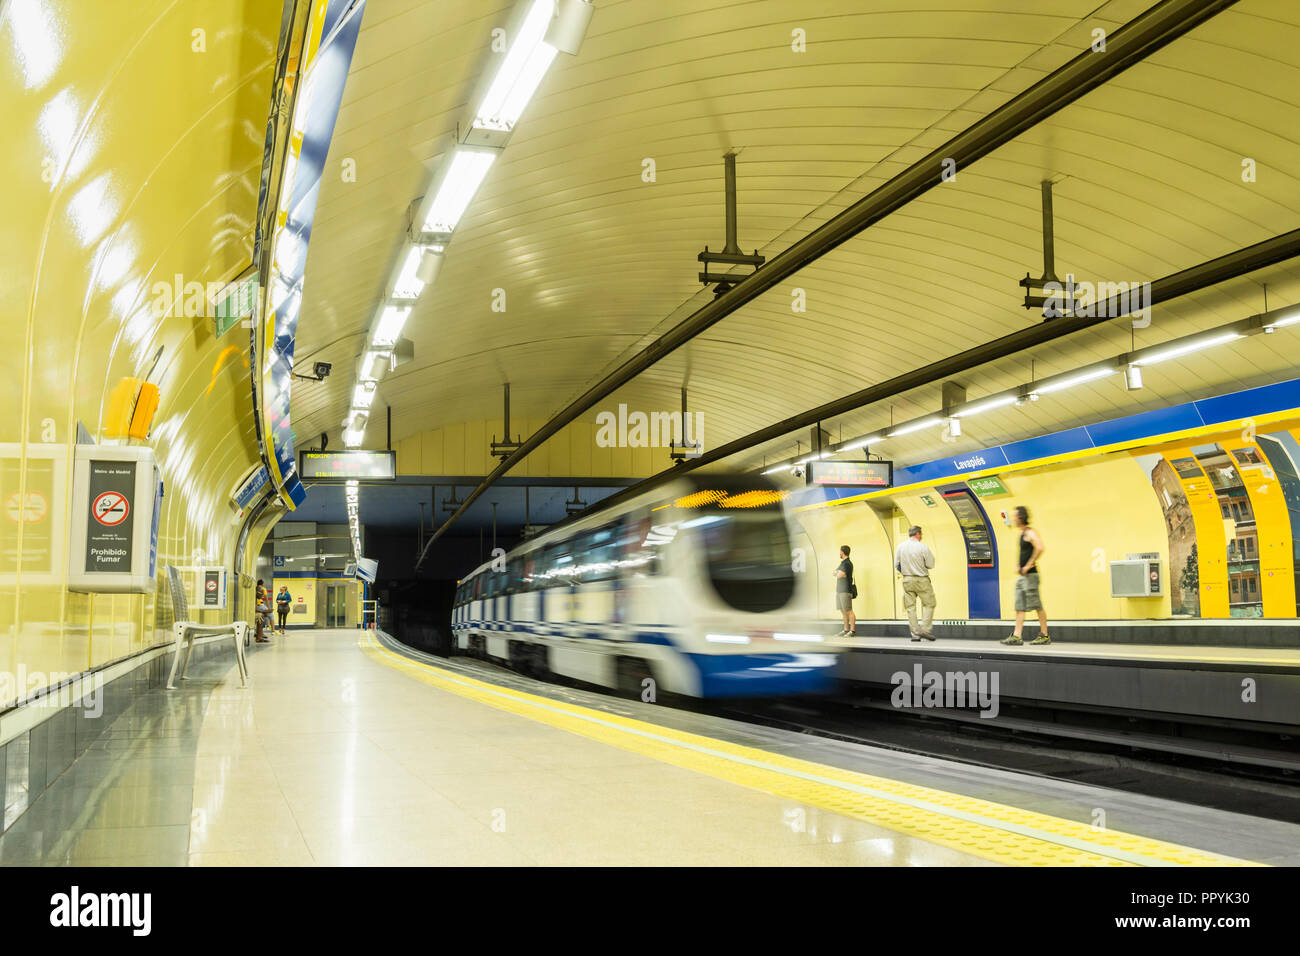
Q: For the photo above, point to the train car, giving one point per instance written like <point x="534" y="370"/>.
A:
<point x="689" y="589"/>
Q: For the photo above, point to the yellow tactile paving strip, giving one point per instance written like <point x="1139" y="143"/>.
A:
<point x="984" y="829"/>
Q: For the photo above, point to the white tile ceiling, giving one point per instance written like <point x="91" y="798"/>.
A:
<point x="595" y="262"/>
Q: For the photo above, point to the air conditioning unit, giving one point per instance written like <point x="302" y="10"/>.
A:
<point x="1135" y="578"/>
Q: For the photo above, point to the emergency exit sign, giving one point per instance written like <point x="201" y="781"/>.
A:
<point x="989" y="487"/>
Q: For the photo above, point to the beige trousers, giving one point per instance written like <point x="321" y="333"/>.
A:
<point x="918" y="588"/>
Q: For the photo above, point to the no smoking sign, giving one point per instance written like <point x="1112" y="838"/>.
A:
<point x="110" y="508"/>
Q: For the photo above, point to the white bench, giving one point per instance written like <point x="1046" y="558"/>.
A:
<point x="186" y="631"/>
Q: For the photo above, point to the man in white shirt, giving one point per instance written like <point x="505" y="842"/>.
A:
<point x="913" y="560"/>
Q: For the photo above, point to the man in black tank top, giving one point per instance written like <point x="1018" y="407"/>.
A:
<point x="1027" y="597"/>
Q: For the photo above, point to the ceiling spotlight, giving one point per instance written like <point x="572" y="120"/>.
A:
<point x="429" y="264"/>
<point x="569" y="26"/>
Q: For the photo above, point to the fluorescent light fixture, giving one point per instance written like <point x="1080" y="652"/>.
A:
<point x="999" y="401"/>
<point x="772" y="471"/>
<point x="1064" y="383"/>
<point x="861" y="443"/>
<point x="351" y="439"/>
<point x="1291" y="318"/>
<point x="390" y="325"/>
<point x="362" y="397"/>
<point x="464" y="176"/>
<point x="1186" y="348"/>
<point x="525" y="63"/>
<point x="797" y="637"/>
<point x="914" y="426"/>
<point x="409" y="285"/>
<point x="726" y="638"/>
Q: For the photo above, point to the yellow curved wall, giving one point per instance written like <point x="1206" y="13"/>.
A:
<point x="133" y="150"/>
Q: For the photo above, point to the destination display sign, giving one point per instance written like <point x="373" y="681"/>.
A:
<point x="850" y="474"/>
<point x="347" y="465"/>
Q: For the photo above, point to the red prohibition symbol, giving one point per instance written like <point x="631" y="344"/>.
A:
<point x="110" y="508"/>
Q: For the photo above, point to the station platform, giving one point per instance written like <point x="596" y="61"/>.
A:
<point x="1254" y="689"/>
<point x="347" y="749"/>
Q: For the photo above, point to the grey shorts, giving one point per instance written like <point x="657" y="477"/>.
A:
<point x="1027" y="598"/>
<point x="843" y="601"/>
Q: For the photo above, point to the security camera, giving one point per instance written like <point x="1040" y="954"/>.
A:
<point x="322" y="369"/>
<point x="798" y="471"/>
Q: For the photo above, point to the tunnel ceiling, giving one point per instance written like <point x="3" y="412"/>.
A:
<point x="596" y="262"/>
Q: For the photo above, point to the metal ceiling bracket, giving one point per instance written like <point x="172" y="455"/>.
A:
<point x="730" y="254"/>
<point x="1059" y="301"/>
<point x="506" y="447"/>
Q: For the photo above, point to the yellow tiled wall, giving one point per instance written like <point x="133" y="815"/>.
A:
<point x="132" y="154"/>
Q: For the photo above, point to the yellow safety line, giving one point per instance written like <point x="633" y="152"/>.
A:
<point x="981" y="828"/>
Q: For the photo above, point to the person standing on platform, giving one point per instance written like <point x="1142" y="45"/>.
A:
<point x="845" y="592"/>
<point x="1027" y="597"/>
<point x="914" y="560"/>
<point x="283" y="601"/>
<point x="263" y="612"/>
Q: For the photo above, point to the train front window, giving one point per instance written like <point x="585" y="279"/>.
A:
<point x="748" y="555"/>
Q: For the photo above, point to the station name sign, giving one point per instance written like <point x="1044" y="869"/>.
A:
<point x="346" y="465"/>
<point x="850" y="474"/>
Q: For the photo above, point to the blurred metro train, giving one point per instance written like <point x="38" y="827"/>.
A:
<point x="692" y="585"/>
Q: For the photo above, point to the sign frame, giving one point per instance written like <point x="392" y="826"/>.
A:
<point x="55" y="457"/>
<point x="132" y="472"/>
<point x="811" y="468"/>
<point x="310" y="474"/>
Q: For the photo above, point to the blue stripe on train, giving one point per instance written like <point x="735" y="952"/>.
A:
<point x="755" y="675"/>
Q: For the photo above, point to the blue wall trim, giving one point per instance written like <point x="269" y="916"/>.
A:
<point x="1208" y="411"/>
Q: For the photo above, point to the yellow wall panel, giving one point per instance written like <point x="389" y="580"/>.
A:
<point x="117" y="182"/>
<point x="1273" y="524"/>
<point x="1211" y="538"/>
<point x="1089" y="513"/>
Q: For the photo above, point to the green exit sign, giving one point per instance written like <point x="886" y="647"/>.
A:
<point x="989" y="487"/>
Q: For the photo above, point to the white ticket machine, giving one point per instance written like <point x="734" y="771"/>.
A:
<point x="113" y="534"/>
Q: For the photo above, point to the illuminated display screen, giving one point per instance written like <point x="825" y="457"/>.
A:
<point x="343" y="465"/>
<point x="850" y="474"/>
<point x="974" y="529"/>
